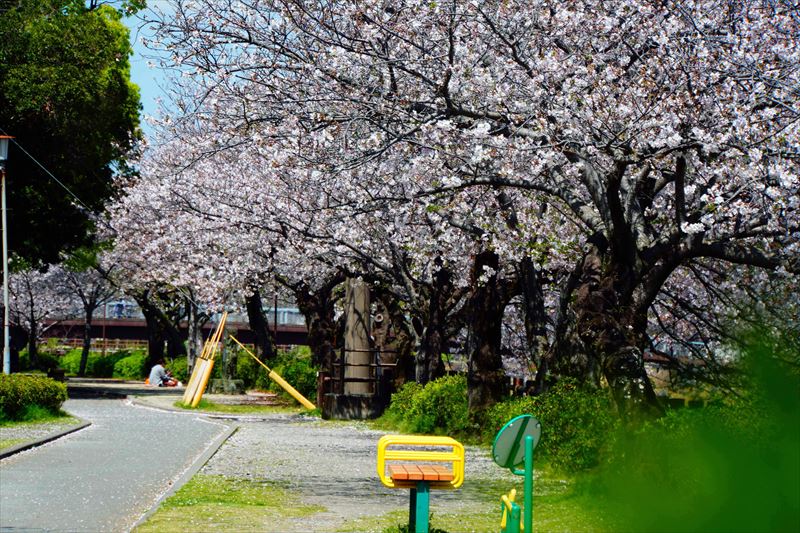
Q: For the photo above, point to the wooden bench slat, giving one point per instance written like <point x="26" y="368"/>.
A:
<point x="398" y="472"/>
<point x="445" y="474"/>
<point x="412" y="472"/>
<point x="429" y="473"/>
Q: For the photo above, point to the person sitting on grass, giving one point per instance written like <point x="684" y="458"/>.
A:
<point x="160" y="376"/>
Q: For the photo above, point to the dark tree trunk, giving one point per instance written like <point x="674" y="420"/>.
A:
<point x="155" y="330"/>
<point x="535" y="319"/>
<point x="486" y="381"/>
<point x="87" y="340"/>
<point x="318" y="309"/>
<point x="194" y="334"/>
<point x="176" y="347"/>
<point x="33" y="346"/>
<point x="429" y="364"/>
<point x="403" y="339"/>
<point x="265" y="344"/>
<point x="610" y="333"/>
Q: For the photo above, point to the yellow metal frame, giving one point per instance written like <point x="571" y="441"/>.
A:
<point x="400" y="448"/>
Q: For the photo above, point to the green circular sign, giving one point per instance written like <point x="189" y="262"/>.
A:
<point x="508" y="449"/>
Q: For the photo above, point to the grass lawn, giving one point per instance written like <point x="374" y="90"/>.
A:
<point x="206" y="406"/>
<point x="37" y="423"/>
<point x="217" y="503"/>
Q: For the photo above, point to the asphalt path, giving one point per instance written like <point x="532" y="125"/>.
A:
<point x="106" y="476"/>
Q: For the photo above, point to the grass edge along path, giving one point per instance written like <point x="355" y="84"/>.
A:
<point x="212" y="503"/>
<point x="206" y="406"/>
<point x="17" y="433"/>
<point x="218" y="503"/>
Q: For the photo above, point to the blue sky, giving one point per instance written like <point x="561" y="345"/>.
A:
<point x="149" y="80"/>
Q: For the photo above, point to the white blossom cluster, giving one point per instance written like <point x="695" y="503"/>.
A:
<point x="394" y="139"/>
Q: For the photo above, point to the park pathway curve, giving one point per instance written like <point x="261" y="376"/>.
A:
<point x="106" y="476"/>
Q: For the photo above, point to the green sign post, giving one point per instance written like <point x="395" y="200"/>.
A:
<point x="513" y="448"/>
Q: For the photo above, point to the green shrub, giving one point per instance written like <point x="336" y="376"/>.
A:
<point x="440" y="407"/>
<point x="19" y="393"/>
<point x="131" y="367"/>
<point x="296" y="368"/>
<point x="103" y="365"/>
<point x="250" y="372"/>
<point x="71" y="361"/>
<point x="44" y="361"/>
<point x="578" y="424"/>
<point x="179" y="367"/>
<point x="727" y="467"/>
<point x="402" y="401"/>
<point x="97" y="364"/>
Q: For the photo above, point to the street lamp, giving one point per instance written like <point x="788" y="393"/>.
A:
<point x="3" y="156"/>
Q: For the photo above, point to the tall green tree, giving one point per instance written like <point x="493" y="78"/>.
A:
<point x="66" y="95"/>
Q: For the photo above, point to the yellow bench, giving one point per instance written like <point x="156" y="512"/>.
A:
<point x="420" y="463"/>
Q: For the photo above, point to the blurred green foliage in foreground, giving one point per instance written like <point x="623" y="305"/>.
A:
<point x="732" y="467"/>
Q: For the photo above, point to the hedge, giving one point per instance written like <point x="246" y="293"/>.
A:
<point x="18" y="392"/>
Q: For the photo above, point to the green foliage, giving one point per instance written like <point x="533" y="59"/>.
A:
<point x="440" y="407"/>
<point x="296" y="368"/>
<point x="251" y="373"/>
<point x="729" y="467"/>
<point x="578" y="424"/>
<point x="133" y="366"/>
<point x="44" y="361"/>
<point x="71" y="361"/>
<point x="65" y="79"/>
<point x="97" y="364"/>
<point x="22" y="395"/>
<point x="179" y="367"/>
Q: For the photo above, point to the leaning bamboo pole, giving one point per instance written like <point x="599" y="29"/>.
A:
<point x="274" y="376"/>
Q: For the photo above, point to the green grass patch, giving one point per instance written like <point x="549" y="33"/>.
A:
<point x="218" y="503"/>
<point x="36" y="414"/>
<point x="207" y="406"/>
<point x="8" y="443"/>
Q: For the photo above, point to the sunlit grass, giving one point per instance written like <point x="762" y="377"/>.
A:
<point x="206" y="406"/>
<point x="35" y="414"/>
<point x="218" y="503"/>
<point x="8" y="443"/>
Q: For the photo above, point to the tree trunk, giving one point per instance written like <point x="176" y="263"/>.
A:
<point x="486" y="381"/>
<point x="155" y="331"/>
<point x="176" y="347"/>
<point x="433" y="342"/>
<point x="265" y="344"/>
<point x="318" y="309"/>
<point x="87" y="340"/>
<point x="33" y="345"/>
<point x="194" y="343"/>
<point x="535" y="319"/>
<point x="611" y="335"/>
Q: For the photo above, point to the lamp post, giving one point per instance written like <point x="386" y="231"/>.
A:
<point x="6" y="351"/>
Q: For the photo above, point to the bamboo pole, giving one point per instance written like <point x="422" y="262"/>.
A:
<point x="200" y="366"/>
<point x="274" y="376"/>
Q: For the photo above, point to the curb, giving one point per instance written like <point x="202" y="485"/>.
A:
<point x="188" y="473"/>
<point x="7" y="452"/>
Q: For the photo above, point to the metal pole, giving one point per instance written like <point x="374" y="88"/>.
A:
<point x="528" y="497"/>
<point x="6" y="349"/>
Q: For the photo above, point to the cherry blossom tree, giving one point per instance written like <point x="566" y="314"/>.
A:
<point x="592" y="150"/>
<point x="36" y="297"/>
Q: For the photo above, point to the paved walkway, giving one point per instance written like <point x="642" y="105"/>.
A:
<point x="104" y="477"/>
